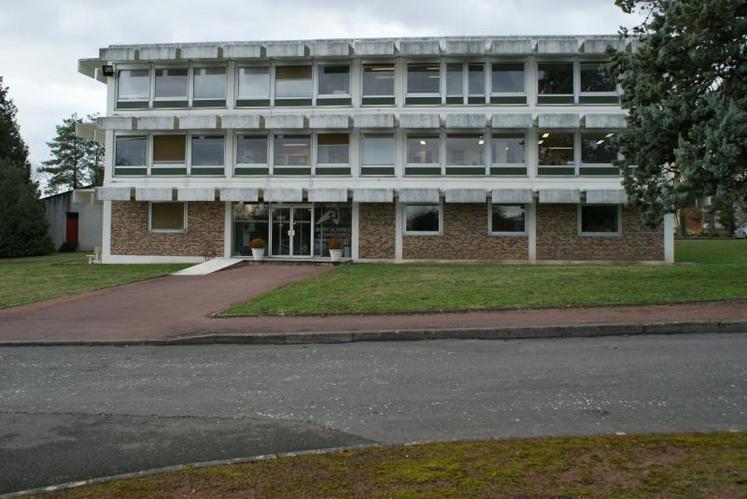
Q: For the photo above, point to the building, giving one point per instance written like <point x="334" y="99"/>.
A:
<point x="456" y="148"/>
<point x="73" y="222"/>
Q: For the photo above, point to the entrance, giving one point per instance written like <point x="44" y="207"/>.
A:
<point x="291" y="231"/>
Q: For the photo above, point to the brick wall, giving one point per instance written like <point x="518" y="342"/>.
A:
<point x="130" y="236"/>
<point x="558" y="239"/>
<point x="376" y="230"/>
<point x="465" y="237"/>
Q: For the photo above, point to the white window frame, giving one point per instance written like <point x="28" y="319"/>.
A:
<point x="403" y="207"/>
<point x="491" y="232"/>
<point x="465" y="80"/>
<point x="187" y="97"/>
<point x="167" y="231"/>
<point x="118" y="136"/>
<point x="523" y="62"/>
<point x="268" y="148"/>
<point x="317" y="67"/>
<point x="614" y="93"/>
<point x="312" y="152"/>
<point x="197" y="133"/>
<point x="127" y="67"/>
<point x="365" y="63"/>
<point x="619" y="231"/>
<point x="273" y="82"/>
<point x="270" y="78"/>
<point x="187" y="152"/>
<point x="507" y="131"/>
<point x="441" y="81"/>
<point x="192" y="98"/>
<point x="380" y="134"/>
<point x="445" y="138"/>
<point x="575" y="75"/>
<point x="485" y="83"/>
<point x="581" y="148"/>
<point x="438" y="135"/>
<point x="316" y="147"/>
<point x="576" y="147"/>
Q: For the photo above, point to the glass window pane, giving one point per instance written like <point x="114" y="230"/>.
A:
<point x="207" y="150"/>
<point x="599" y="218"/>
<point x="508" y="77"/>
<point x="422" y="217"/>
<point x="250" y="222"/>
<point x="333" y="148"/>
<point x="254" y="82"/>
<point x="292" y="150"/>
<point x="476" y="78"/>
<point x="423" y="78"/>
<point x="171" y="83"/>
<point x="555" y="78"/>
<point x="556" y="148"/>
<point x="334" y="80"/>
<point x="293" y="81"/>
<point x="597" y="148"/>
<point x="169" y="148"/>
<point x="130" y="151"/>
<point x="210" y="83"/>
<point x="167" y="216"/>
<point x="465" y="149"/>
<point x="505" y="218"/>
<point x="508" y="148"/>
<point x="454" y="79"/>
<point x="332" y="220"/>
<point x="134" y="84"/>
<point x="378" y="79"/>
<point x="378" y="150"/>
<point x="251" y="149"/>
<point x="422" y="149"/>
<point x="594" y="78"/>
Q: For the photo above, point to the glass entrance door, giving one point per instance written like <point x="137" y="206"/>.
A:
<point x="291" y="231"/>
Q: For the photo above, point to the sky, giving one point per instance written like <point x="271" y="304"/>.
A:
<point x="42" y="40"/>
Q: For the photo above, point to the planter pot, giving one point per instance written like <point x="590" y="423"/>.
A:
<point x="258" y="253"/>
<point x="335" y="254"/>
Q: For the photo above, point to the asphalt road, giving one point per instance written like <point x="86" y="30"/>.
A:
<point x="69" y="413"/>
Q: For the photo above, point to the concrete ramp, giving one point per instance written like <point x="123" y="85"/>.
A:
<point x="208" y="267"/>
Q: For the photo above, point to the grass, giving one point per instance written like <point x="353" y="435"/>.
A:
<point x="706" y="270"/>
<point x="698" y="465"/>
<point x="33" y="279"/>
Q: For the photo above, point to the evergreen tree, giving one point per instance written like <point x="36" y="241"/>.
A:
<point x="685" y="88"/>
<point x="12" y="146"/>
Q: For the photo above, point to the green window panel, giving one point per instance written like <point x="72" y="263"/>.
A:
<point x="599" y="170"/>
<point x="168" y="171"/>
<point x="170" y="103"/>
<point x="556" y="170"/>
<point x="476" y="99"/>
<point x="209" y="103"/>
<point x="455" y="100"/>
<point x="465" y="170"/>
<point x="333" y="170"/>
<point x="599" y="99"/>
<point x="422" y="100"/>
<point x="133" y="104"/>
<point x="435" y="170"/>
<point x="251" y="171"/>
<point x="292" y="102"/>
<point x="121" y="172"/>
<point x="378" y="101"/>
<point x="252" y="102"/>
<point x="292" y="170"/>
<point x="328" y="101"/>
<point x="512" y="170"/>
<point x="377" y="170"/>
<point x="206" y="171"/>
<point x="509" y="99"/>
<point x="555" y="99"/>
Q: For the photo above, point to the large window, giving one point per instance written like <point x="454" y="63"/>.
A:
<point x="422" y="149"/>
<point x="167" y="217"/>
<point x="508" y="78"/>
<point x="423" y="78"/>
<point x="130" y="151"/>
<point x="555" y="79"/>
<point x="250" y="221"/>
<point x="378" y="83"/>
<point x="465" y="149"/>
<point x="378" y="150"/>
<point x="254" y="82"/>
<point x="476" y="79"/>
<point x="332" y="220"/>
<point x="251" y="149"/>
<point x="171" y="84"/>
<point x="603" y="219"/>
<point x="209" y="84"/>
<point x="507" y="219"/>
<point x="169" y="149"/>
<point x="133" y="85"/>
<point x="333" y="148"/>
<point x="207" y="150"/>
<point x="334" y="79"/>
<point x="508" y="148"/>
<point x="292" y="150"/>
<point x="423" y="218"/>
<point x="597" y="148"/>
<point x="293" y="82"/>
<point x="455" y="81"/>
<point x="595" y="78"/>
<point x="556" y="149"/>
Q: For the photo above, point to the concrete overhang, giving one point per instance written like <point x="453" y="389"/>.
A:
<point x="285" y="121"/>
<point x="606" y="196"/>
<point x="373" y="195"/>
<point x="92" y="69"/>
<point x="512" y="46"/>
<point x="197" y="52"/>
<point x="419" y="47"/>
<point x="465" y="195"/>
<point x="558" y="120"/>
<point x="118" y="54"/>
<point x="419" y="195"/>
<point x="600" y="45"/>
<point x="242" y="121"/>
<point x="328" y="195"/>
<point x="156" y="123"/>
<point x="419" y="120"/>
<point x="198" y="122"/>
<point x="154" y="194"/>
<point x="332" y="48"/>
<point x="466" y="120"/>
<point x="158" y="53"/>
<point x="84" y="196"/>
<point x="329" y="121"/>
<point x="374" y="47"/>
<point x="89" y="131"/>
<point x="280" y="195"/>
<point x="239" y="194"/>
<point x="195" y="194"/>
<point x="512" y="196"/>
<point x="557" y="46"/>
<point x="113" y="193"/>
<point x="511" y="120"/>
<point x="244" y="51"/>
<point x="287" y="49"/>
<point x="117" y="123"/>
<point x="605" y="120"/>
<point x="464" y="47"/>
<point x="559" y="196"/>
<point x="383" y="120"/>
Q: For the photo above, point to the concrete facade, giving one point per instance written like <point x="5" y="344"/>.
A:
<point x="89" y="220"/>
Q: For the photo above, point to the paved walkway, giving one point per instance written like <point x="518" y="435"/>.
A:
<point x="174" y="306"/>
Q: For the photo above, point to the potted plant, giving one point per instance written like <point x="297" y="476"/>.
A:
<point x="335" y="246"/>
<point x="258" y="248"/>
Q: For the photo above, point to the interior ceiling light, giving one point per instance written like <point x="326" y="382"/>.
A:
<point x="609" y="135"/>
<point x="600" y="142"/>
<point x="422" y="142"/>
<point x="545" y="135"/>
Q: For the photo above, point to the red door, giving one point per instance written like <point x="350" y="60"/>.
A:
<point x="71" y="229"/>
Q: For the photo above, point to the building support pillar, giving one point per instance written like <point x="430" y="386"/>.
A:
<point x="354" y="231"/>
<point x="106" y="232"/>
<point x="532" y="232"/>
<point x="669" y="238"/>
<point x="227" y="231"/>
<point x="398" y="230"/>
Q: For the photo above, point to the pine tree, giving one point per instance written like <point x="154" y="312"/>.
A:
<point x="12" y="147"/>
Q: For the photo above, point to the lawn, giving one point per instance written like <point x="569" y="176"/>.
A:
<point x="706" y="270"/>
<point x="28" y="280"/>
<point x="704" y="465"/>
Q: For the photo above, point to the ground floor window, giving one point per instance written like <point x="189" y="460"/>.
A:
<point x="167" y="217"/>
<point x="507" y="219"/>
<point x="332" y="221"/>
<point x="423" y="219"/>
<point x="601" y="220"/>
<point x="250" y="221"/>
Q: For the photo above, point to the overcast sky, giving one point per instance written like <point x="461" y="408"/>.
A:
<point x="41" y="40"/>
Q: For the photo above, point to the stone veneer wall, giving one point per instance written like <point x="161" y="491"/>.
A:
<point x="376" y="230"/>
<point x="130" y="235"/>
<point x="558" y="238"/>
<point x="465" y="237"/>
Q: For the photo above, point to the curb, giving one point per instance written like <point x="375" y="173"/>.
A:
<point x="478" y="333"/>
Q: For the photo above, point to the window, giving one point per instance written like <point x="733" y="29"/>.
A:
<point x="555" y="78"/>
<point x="169" y="149"/>
<point x="423" y="218"/>
<point x="422" y="149"/>
<point x="423" y="78"/>
<point x="130" y="151"/>
<point x="250" y="221"/>
<point x="556" y="149"/>
<point x="508" y="78"/>
<point x="209" y="83"/>
<point x="594" y="78"/>
<point x="508" y="148"/>
<point x="507" y="219"/>
<point x="600" y="219"/>
<point x="465" y="149"/>
<point x="254" y="82"/>
<point x="378" y="80"/>
<point x="168" y="217"/>
<point x="378" y="150"/>
<point x="597" y="148"/>
<point x="292" y="150"/>
<point x="207" y="150"/>
<point x="454" y="80"/>
<point x="171" y="83"/>
<point x="251" y="149"/>
<point x="476" y="75"/>
<point x="134" y="85"/>
<point x="293" y="82"/>
<point x="334" y="80"/>
<point x="332" y="148"/>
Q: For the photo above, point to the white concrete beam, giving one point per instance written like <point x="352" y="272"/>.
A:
<point x="606" y="196"/>
<point x="383" y="120"/>
<point x="287" y="49"/>
<point x="290" y="121"/>
<point x="419" y="47"/>
<point x="119" y="123"/>
<point x="511" y="120"/>
<point x="557" y="46"/>
<point x="153" y="194"/>
<point x="156" y="123"/>
<point x="328" y="195"/>
<point x="330" y="49"/>
<point x="419" y="120"/>
<point x="559" y="196"/>
<point x="118" y="54"/>
<point x="242" y="121"/>
<point x="465" y="195"/>
<point x="329" y="121"/>
<point x="558" y="120"/>
<point x="374" y="47"/>
<point x="419" y="195"/>
<point x="373" y="195"/>
<point x="239" y="194"/>
<point x="605" y="120"/>
<point x="243" y="51"/>
<point x="600" y="45"/>
<point x="466" y="120"/>
<point x="195" y="194"/>
<point x="201" y="51"/>
<point x="511" y="196"/>
<point x="512" y="46"/>
<point x="282" y="195"/>
<point x="158" y="53"/>
<point x="464" y="47"/>
<point x="198" y="122"/>
<point x="113" y="193"/>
